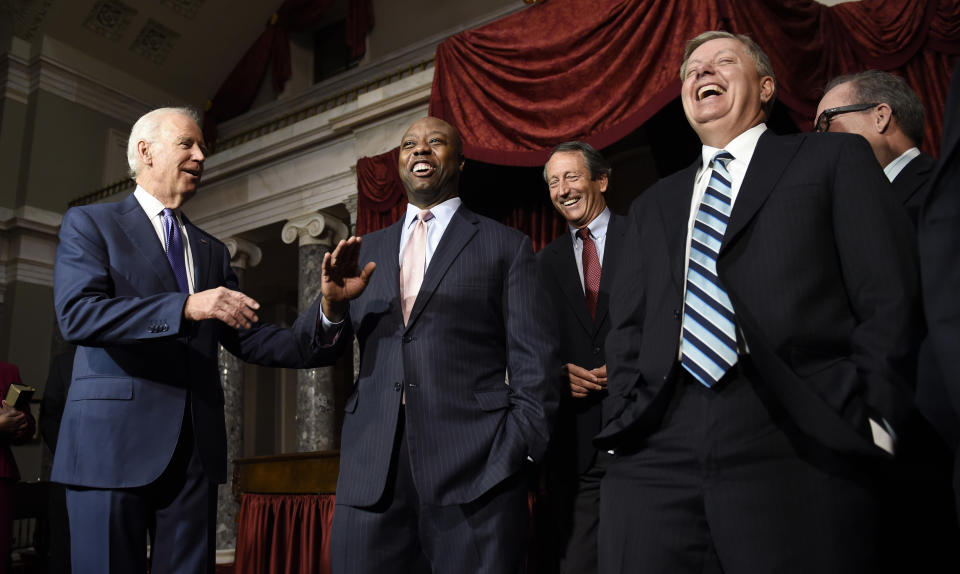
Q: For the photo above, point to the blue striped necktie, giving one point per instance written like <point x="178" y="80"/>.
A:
<point x="709" y="345"/>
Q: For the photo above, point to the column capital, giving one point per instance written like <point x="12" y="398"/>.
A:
<point x="243" y="253"/>
<point x="313" y="229"/>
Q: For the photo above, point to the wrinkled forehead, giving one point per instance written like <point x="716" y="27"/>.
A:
<point x="711" y="49"/>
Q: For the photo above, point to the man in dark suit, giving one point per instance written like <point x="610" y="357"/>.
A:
<point x="917" y="528"/>
<point x="576" y="273"/>
<point x="882" y="108"/>
<point x="761" y="349"/>
<point x="939" y="240"/>
<point x="146" y="297"/>
<point x="434" y="442"/>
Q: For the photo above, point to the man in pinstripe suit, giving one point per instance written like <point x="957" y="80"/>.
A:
<point x="434" y="443"/>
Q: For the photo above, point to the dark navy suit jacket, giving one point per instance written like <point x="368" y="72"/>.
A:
<point x="478" y="315"/>
<point x="138" y="360"/>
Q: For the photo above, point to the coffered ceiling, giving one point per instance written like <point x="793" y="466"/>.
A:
<point x="184" y="48"/>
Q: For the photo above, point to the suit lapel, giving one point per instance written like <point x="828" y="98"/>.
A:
<point x="387" y="256"/>
<point x="771" y="157"/>
<point x="611" y="252"/>
<point x="675" y="217"/>
<point x="143" y="237"/>
<point x="200" y="250"/>
<point x="462" y="228"/>
<point x="564" y="264"/>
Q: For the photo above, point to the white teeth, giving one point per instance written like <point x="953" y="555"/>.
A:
<point x="709" y="89"/>
<point x="570" y="202"/>
<point x="421" y="167"/>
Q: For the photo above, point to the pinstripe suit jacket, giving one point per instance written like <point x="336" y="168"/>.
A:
<point x="478" y="315"/>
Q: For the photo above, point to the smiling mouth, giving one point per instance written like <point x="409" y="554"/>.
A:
<point x="570" y="202"/>
<point x="422" y="169"/>
<point x="709" y="90"/>
<point x="193" y="172"/>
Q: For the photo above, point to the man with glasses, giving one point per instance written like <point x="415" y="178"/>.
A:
<point x="882" y="108"/>
<point x="918" y="519"/>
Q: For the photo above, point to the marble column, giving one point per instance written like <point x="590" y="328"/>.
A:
<point x="316" y="234"/>
<point x="243" y="254"/>
<point x="351" y="204"/>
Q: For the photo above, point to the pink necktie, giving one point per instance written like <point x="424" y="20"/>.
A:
<point x="414" y="263"/>
<point x="591" y="270"/>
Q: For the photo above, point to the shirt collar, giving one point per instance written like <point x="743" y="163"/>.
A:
<point x="893" y="169"/>
<point x="741" y="147"/>
<point x="150" y="204"/>
<point x="597" y="227"/>
<point x="442" y="212"/>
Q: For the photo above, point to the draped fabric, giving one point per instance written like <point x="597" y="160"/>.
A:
<point x="237" y="92"/>
<point x="381" y="199"/>
<point x="284" y="534"/>
<point x="596" y="71"/>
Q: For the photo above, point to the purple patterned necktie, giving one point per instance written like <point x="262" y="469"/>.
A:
<point x="173" y="244"/>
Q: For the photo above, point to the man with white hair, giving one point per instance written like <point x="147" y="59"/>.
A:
<point x="147" y="297"/>
<point x="762" y="336"/>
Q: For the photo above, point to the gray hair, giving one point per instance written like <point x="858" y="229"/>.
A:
<point x="597" y="165"/>
<point x="760" y="59"/>
<point x="886" y="88"/>
<point x="147" y="129"/>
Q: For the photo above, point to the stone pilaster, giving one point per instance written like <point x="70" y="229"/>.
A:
<point x="243" y="255"/>
<point x="316" y="234"/>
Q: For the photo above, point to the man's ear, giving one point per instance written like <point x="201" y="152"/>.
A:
<point x="882" y="117"/>
<point x="767" y="86"/>
<point x="604" y="182"/>
<point x="143" y="151"/>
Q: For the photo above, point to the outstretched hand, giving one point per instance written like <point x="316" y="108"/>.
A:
<point x="232" y="307"/>
<point x="342" y="279"/>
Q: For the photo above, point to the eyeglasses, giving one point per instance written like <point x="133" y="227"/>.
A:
<point x="823" y="121"/>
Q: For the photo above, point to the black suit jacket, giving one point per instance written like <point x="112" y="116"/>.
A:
<point x="910" y="185"/>
<point x="819" y="262"/>
<point x="939" y="238"/>
<point x="581" y="338"/>
<point x="478" y="315"/>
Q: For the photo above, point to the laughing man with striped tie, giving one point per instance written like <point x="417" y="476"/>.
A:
<point x="764" y="321"/>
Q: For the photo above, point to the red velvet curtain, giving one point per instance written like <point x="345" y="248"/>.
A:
<point x="381" y="199"/>
<point x="596" y="71"/>
<point x="273" y="47"/>
<point x="284" y="534"/>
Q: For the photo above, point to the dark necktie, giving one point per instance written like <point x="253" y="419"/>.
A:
<point x="173" y="243"/>
<point x="709" y="325"/>
<point x="591" y="270"/>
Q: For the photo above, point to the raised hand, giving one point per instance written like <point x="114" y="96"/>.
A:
<point x="342" y="279"/>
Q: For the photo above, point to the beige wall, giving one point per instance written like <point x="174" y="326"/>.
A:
<point x="401" y="24"/>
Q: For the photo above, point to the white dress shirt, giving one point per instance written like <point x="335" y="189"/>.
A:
<point x="154" y="210"/>
<point x="893" y="169"/>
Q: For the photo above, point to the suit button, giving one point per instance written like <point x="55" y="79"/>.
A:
<point x="407" y="339"/>
<point x="676" y="314"/>
<point x="398" y="387"/>
<point x="596" y="350"/>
